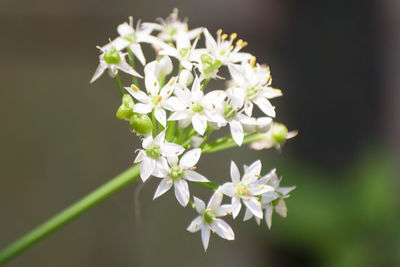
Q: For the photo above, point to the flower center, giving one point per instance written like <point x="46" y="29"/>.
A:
<point x="153" y="152"/>
<point x="209" y="64"/>
<point x="251" y="92"/>
<point x="156" y="100"/>
<point x="183" y="52"/>
<point x="171" y="31"/>
<point x="209" y="216"/>
<point x="197" y="107"/>
<point x="112" y="56"/>
<point x="130" y="38"/>
<point x="176" y="172"/>
<point x="229" y="112"/>
<point x="242" y="190"/>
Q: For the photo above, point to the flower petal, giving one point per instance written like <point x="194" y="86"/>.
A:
<point x="265" y="106"/>
<point x="147" y="168"/>
<point x="268" y="215"/>
<point x="137" y="51"/>
<point x="215" y="200"/>
<point x="235" y="174"/>
<point x="223" y="229"/>
<point x="163" y="187"/>
<point x="161" y="116"/>
<point x="140" y="156"/>
<point x="195" y="177"/>
<point x="200" y="205"/>
<point x="281" y="209"/>
<point x="205" y="236"/>
<point x="171" y="149"/>
<point x="142" y="108"/>
<point x="254" y="206"/>
<point x="99" y="71"/>
<point x="228" y="189"/>
<point x="190" y="158"/>
<point x="139" y="95"/>
<point x="195" y="224"/>
<point x="182" y="192"/>
<point x="199" y="124"/>
<point x="236" y="206"/>
<point x="236" y="131"/>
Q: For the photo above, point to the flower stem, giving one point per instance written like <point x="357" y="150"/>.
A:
<point x="131" y="60"/>
<point x="118" y="81"/>
<point x="219" y="145"/>
<point x="69" y="214"/>
<point x="154" y="122"/>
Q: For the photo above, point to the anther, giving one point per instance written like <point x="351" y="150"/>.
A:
<point x="134" y="88"/>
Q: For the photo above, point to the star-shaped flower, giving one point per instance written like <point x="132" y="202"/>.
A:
<point x="209" y="221"/>
<point x="177" y="172"/>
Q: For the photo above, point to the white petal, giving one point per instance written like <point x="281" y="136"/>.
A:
<point x="254" y="168"/>
<point x="200" y="205"/>
<point x="162" y="169"/>
<point x="173" y="160"/>
<point x="235" y="174"/>
<point x="265" y="106"/>
<point x="223" y="210"/>
<point x="147" y="168"/>
<point x="228" y="189"/>
<point x="195" y="177"/>
<point x="137" y="51"/>
<point x="268" y="216"/>
<point x="147" y="141"/>
<point x="197" y="94"/>
<point x="281" y="209"/>
<point x="190" y="158"/>
<point x="236" y="206"/>
<point x="142" y="108"/>
<point x="248" y="215"/>
<point x="215" y="200"/>
<point x="195" y="224"/>
<point x="182" y="192"/>
<point x="211" y="44"/>
<point x="173" y="104"/>
<point x="248" y="108"/>
<point x="236" y="132"/>
<point x="285" y="190"/>
<point x="125" y="67"/>
<point x="258" y="189"/>
<point x="159" y="139"/>
<point x="254" y="206"/>
<point x="163" y="187"/>
<point x="223" y="229"/>
<point x="161" y="116"/>
<point x="171" y="149"/>
<point x="139" y="95"/>
<point x="199" y="124"/>
<point x="205" y="236"/>
<point x="99" y="71"/>
<point x="140" y="156"/>
<point x="179" y="115"/>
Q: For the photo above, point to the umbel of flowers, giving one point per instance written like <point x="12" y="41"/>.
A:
<point x="173" y="110"/>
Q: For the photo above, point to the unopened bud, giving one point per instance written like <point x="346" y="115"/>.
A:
<point x="141" y="123"/>
<point x="279" y="132"/>
<point x="185" y="77"/>
<point x="112" y="56"/>
<point x="165" y="65"/>
<point x="264" y="124"/>
<point x="125" y="111"/>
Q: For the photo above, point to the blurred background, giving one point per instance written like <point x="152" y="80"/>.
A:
<point x="337" y="63"/>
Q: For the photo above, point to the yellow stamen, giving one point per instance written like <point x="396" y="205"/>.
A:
<point x="224" y="36"/>
<point x="219" y="32"/>
<point x="134" y="88"/>
<point x="252" y="61"/>
<point x="244" y="44"/>
<point x="239" y="42"/>
<point x="193" y="168"/>
<point x="171" y="81"/>
<point x="233" y="36"/>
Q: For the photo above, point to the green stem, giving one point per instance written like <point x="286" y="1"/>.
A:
<point x="69" y="214"/>
<point x="170" y="131"/>
<point x="154" y="122"/>
<point x="229" y="143"/>
<point x="208" y="133"/>
<point x="131" y="59"/>
<point x="118" y="81"/>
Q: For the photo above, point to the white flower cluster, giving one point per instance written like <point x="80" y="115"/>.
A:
<point x="175" y="115"/>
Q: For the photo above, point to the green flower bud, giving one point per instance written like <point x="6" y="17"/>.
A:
<point x="112" y="56"/>
<point x="209" y="216"/>
<point x="141" y="123"/>
<point x="229" y="112"/>
<point x="125" y="111"/>
<point x="279" y="132"/>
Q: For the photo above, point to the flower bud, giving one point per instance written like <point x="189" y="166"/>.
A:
<point x="125" y="111"/>
<point x="165" y="65"/>
<point x="264" y="124"/>
<point x="112" y="56"/>
<point x="209" y="64"/>
<point x="279" y="132"/>
<point x="141" y="123"/>
<point x="185" y="77"/>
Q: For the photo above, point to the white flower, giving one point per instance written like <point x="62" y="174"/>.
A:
<point x="208" y="220"/>
<point x="113" y="60"/>
<point x="130" y="37"/>
<point x="272" y="200"/>
<point x="155" y="100"/>
<point x="154" y="153"/>
<point x="246" y="190"/>
<point x="172" y="26"/>
<point x="185" y="77"/>
<point x="223" y="50"/>
<point x="176" y="172"/>
<point x="197" y="108"/>
<point x="252" y="85"/>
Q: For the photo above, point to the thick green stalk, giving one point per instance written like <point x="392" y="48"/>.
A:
<point x="69" y="214"/>
<point x="118" y="81"/>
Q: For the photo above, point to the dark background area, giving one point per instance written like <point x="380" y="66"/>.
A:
<point x="337" y="64"/>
